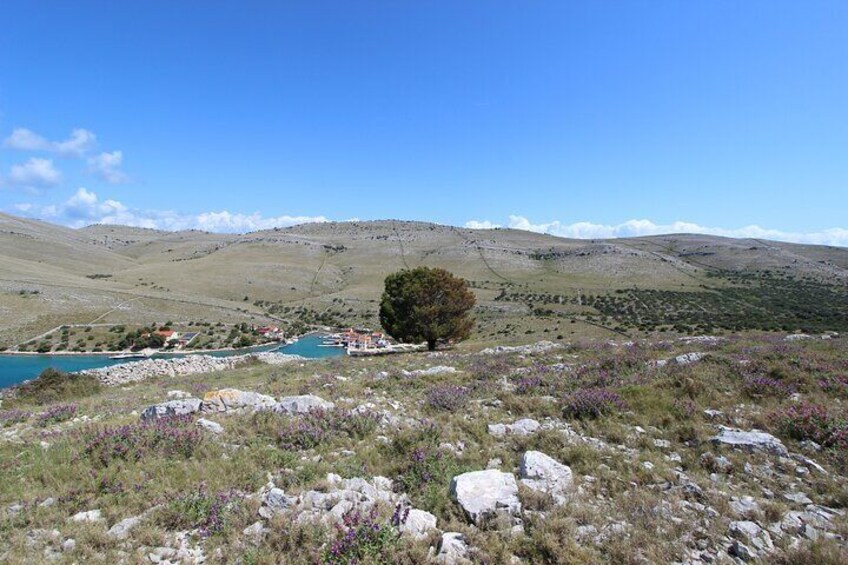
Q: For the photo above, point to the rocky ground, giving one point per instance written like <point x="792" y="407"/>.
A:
<point x="700" y="450"/>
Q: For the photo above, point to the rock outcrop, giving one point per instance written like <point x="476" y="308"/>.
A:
<point x="753" y="440"/>
<point x="230" y="399"/>
<point x="302" y="404"/>
<point x="182" y="407"/>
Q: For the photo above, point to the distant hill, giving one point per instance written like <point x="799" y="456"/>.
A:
<point x="333" y="272"/>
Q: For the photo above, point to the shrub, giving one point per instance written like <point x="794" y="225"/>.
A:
<point x="424" y="466"/>
<point x="447" y="397"/>
<point x="758" y="387"/>
<point x="306" y="431"/>
<point x="171" y="437"/>
<point x="805" y="421"/>
<point x="209" y="513"/>
<point x="362" y="538"/>
<point x="56" y="414"/>
<point x="11" y="417"/>
<point x="591" y="403"/>
<point x="52" y="385"/>
<point x="834" y="385"/>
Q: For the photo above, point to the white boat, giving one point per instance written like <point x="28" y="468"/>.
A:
<point x="130" y="356"/>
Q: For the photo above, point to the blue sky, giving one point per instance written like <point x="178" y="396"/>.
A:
<point x="575" y="118"/>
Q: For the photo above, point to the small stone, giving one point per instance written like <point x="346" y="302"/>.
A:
<point x="88" y="516"/>
<point x="210" y="426"/>
<point x="257" y="531"/>
<point x="662" y="443"/>
<point x="797" y="498"/>
<point x="121" y="530"/>
<point x="69" y="545"/>
<point x="746" y="506"/>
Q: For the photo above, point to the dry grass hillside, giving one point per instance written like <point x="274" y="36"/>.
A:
<point x="526" y="283"/>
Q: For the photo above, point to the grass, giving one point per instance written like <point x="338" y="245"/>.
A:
<point x="125" y="469"/>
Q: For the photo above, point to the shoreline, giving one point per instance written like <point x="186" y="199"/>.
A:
<point x="159" y="355"/>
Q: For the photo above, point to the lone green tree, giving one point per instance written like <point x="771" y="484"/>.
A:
<point x="425" y="304"/>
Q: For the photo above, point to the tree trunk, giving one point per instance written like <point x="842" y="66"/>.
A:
<point x="431" y="344"/>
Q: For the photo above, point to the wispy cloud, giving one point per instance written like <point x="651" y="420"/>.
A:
<point x="86" y="208"/>
<point x="77" y="145"/>
<point x="107" y="166"/>
<point x="34" y="173"/>
<point x="635" y="228"/>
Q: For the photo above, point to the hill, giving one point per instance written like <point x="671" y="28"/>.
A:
<point x="526" y="283"/>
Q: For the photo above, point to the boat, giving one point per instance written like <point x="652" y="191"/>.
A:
<point x="130" y="356"/>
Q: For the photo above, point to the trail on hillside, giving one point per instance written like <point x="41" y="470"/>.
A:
<point x="482" y="256"/>
<point x="402" y="250"/>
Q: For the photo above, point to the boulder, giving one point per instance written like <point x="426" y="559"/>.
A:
<point x="171" y="408"/>
<point x="230" y="399"/>
<point x="752" y="534"/>
<point x="486" y="495"/>
<point x="753" y="440"/>
<point x="418" y="524"/>
<point x="542" y="473"/>
<point x="302" y="404"/>
<point x="453" y="549"/>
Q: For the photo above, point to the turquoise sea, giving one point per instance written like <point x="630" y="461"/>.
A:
<point x="18" y="368"/>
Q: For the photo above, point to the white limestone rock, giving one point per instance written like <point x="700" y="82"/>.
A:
<point x="753" y="440"/>
<point x="418" y="524"/>
<point x="542" y="473"/>
<point x="302" y="404"/>
<point x="210" y="426"/>
<point x="171" y="408"/>
<point x="453" y="549"/>
<point x="486" y="495"/>
<point x="231" y="399"/>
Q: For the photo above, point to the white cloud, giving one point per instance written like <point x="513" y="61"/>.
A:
<point x="26" y="140"/>
<point x="86" y="208"/>
<point x="635" y="228"/>
<point x="107" y="167"/>
<point x="77" y="145"/>
<point x="35" y="173"/>
<point x="484" y="225"/>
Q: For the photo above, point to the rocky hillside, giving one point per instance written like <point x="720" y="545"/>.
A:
<point x="694" y="450"/>
<point x="332" y="273"/>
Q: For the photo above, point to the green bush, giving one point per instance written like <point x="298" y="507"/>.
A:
<point x="52" y="385"/>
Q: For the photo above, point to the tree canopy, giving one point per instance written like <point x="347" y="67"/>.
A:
<point x="425" y="304"/>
